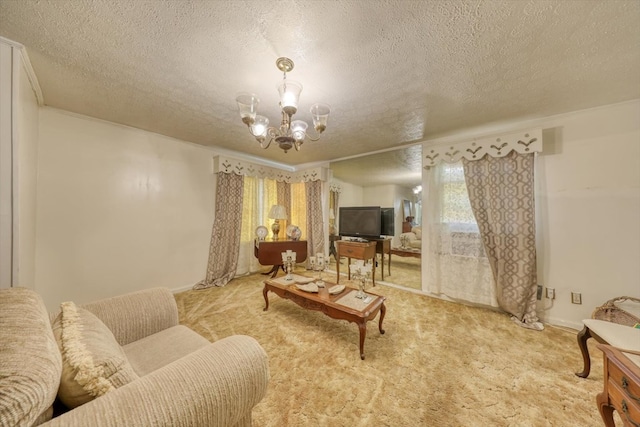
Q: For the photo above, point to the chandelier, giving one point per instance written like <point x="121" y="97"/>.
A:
<point x="290" y="134"/>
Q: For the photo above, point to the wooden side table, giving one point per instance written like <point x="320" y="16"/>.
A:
<point x="269" y="252"/>
<point x="357" y="250"/>
<point x="621" y="387"/>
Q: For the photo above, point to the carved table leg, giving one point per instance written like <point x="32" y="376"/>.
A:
<point x="273" y="271"/>
<point x="606" y="411"/>
<point x="583" y="336"/>
<point x="363" y="333"/>
<point x="265" y="291"/>
<point x="383" y="311"/>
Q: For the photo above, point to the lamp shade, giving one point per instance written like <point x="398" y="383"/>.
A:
<point x="289" y="94"/>
<point x="320" y="114"/>
<point x="247" y="107"/>
<point x="277" y="212"/>
<point x="298" y="129"/>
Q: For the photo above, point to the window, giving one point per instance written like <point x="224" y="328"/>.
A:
<point x="457" y="214"/>
<point x="456" y="207"/>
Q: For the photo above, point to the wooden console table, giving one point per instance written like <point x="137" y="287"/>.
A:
<point x="357" y="250"/>
<point x="621" y="387"/>
<point x="269" y="252"/>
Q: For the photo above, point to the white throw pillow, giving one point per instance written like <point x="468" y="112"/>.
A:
<point x="93" y="363"/>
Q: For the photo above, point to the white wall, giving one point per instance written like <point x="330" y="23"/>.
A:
<point x="119" y="209"/>
<point x="27" y="145"/>
<point x="589" y="210"/>
<point x="350" y="195"/>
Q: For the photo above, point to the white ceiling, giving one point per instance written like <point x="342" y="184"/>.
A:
<point x="394" y="72"/>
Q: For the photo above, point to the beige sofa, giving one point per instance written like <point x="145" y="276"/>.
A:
<point x="128" y="358"/>
<point x="413" y="238"/>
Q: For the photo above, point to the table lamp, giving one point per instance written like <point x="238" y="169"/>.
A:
<point x="277" y="213"/>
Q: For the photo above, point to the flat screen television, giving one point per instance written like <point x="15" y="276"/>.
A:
<point x="388" y="217"/>
<point x="360" y="221"/>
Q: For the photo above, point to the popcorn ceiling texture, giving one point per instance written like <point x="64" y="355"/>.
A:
<point x="394" y="72"/>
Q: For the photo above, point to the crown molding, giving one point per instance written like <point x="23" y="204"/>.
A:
<point x="26" y="62"/>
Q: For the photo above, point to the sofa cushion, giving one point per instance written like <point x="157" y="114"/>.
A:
<point x="160" y="349"/>
<point x="30" y="362"/>
<point x="417" y="231"/>
<point x="93" y="361"/>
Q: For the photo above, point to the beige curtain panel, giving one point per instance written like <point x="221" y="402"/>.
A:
<point x="315" y="224"/>
<point x="501" y="192"/>
<point x="225" y="236"/>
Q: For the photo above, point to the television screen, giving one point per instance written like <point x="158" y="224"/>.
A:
<point x="361" y="221"/>
<point x="388" y="221"/>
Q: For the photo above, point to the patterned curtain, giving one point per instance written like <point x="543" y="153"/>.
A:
<point x="501" y="191"/>
<point x="315" y="224"/>
<point x="225" y="236"/>
<point x="334" y="198"/>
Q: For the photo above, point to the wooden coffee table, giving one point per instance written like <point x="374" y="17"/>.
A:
<point x="405" y="252"/>
<point x="341" y="306"/>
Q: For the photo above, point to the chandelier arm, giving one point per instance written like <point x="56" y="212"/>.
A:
<point x="272" y="132"/>
<point x="262" y="145"/>
<point x="317" y="138"/>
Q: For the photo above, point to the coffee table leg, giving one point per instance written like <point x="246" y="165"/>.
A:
<point x="383" y="311"/>
<point x="266" y="298"/>
<point x="363" y="333"/>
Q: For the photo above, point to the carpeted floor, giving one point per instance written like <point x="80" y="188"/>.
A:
<point x="405" y="271"/>
<point x="439" y="363"/>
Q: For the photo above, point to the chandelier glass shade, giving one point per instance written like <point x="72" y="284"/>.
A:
<point x="290" y="133"/>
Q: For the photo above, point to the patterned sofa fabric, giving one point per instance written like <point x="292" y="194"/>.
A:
<point x="196" y="383"/>
<point x="413" y="238"/>
<point x="30" y="363"/>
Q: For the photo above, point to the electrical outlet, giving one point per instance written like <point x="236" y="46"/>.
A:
<point x="539" y="293"/>
<point x="551" y="293"/>
<point x="576" y="298"/>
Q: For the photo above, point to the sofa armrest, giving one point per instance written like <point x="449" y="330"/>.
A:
<point x="135" y="315"/>
<point x="410" y="235"/>
<point x="217" y="385"/>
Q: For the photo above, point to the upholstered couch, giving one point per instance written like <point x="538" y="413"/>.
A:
<point x="413" y="238"/>
<point x="123" y="361"/>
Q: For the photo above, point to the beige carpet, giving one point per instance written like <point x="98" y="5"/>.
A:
<point x="439" y="363"/>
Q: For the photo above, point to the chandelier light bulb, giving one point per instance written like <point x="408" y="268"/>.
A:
<point x="259" y="126"/>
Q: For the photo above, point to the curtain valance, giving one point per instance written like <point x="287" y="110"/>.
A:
<point x="224" y="164"/>
<point x="496" y="146"/>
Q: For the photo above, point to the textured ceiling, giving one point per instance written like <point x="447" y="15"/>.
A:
<point x="394" y="72"/>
